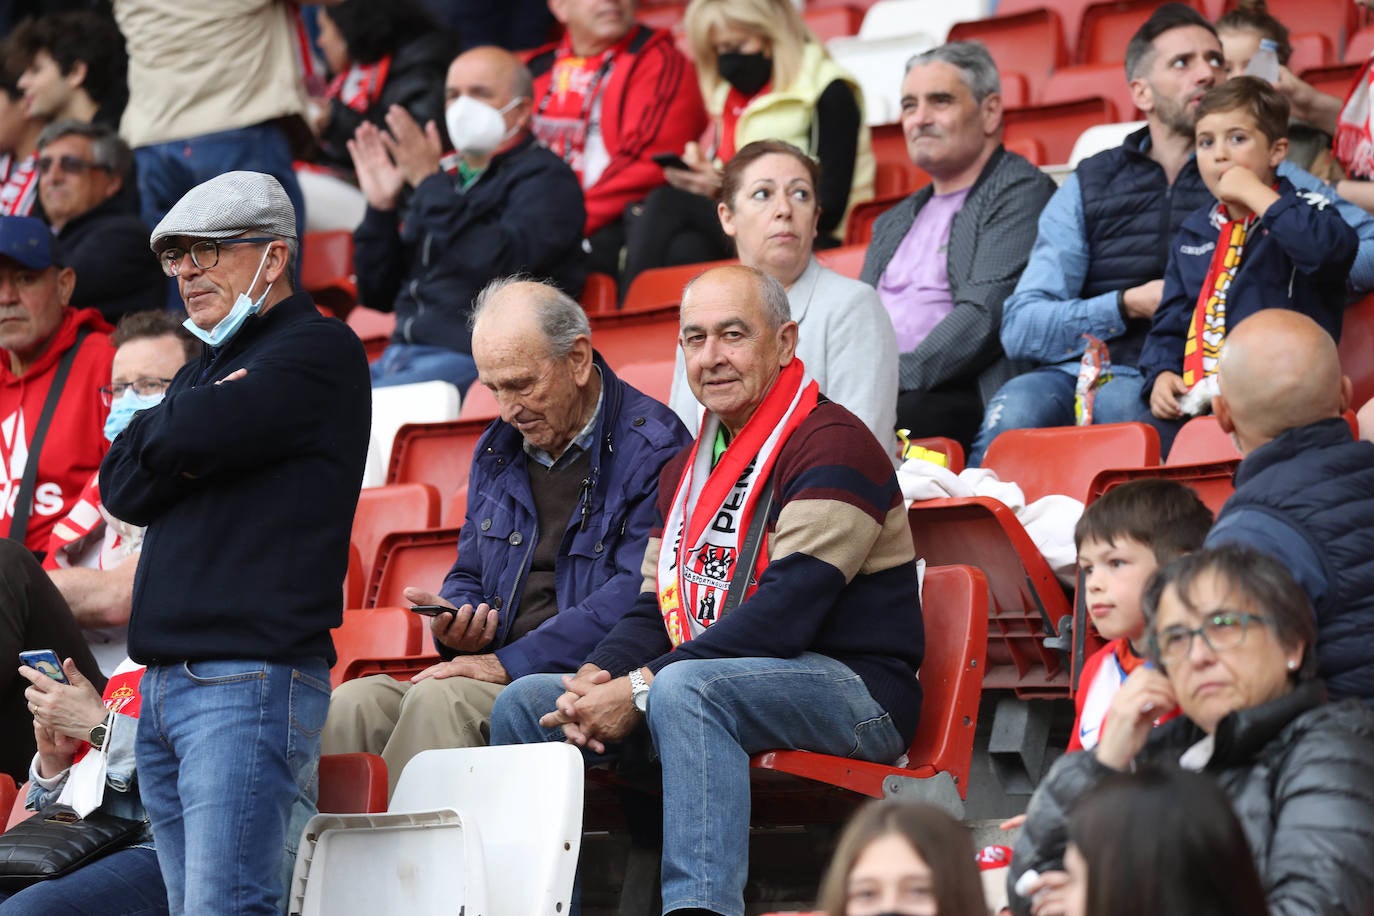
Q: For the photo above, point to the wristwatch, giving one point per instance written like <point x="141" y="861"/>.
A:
<point x="99" y="732"/>
<point x="639" y="691"/>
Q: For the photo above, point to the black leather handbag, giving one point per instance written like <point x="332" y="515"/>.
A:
<point x="55" y="842"/>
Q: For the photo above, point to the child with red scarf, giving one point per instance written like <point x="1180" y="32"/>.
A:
<point x="1264" y="244"/>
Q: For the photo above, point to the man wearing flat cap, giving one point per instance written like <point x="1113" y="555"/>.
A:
<point x="247" y="476"/>
<point x="56" y="359"/>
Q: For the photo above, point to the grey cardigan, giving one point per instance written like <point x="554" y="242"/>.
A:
<point x="989" y="244"/>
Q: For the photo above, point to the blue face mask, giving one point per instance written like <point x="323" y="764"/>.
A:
<point x="229" y="325"/>
<point x="123" y="410"/>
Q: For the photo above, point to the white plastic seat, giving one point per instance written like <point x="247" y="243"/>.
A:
<point x="894" y="18"/>
<point x="392" y="408"/>
<point x="1102" y="137"/>
<point x="879" y="65"/>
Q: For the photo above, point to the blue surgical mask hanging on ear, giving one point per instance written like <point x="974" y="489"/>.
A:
<point x="229" y="325"/>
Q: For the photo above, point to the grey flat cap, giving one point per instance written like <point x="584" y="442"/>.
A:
<point x="229" y="205"/>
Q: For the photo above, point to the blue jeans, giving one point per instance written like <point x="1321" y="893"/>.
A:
<point x="403" y="364"/>
<point x="706" y="718"/>
<point x="1044" y="397"/>
<point x="124" y="883"/>
<point x="228" y="757"/>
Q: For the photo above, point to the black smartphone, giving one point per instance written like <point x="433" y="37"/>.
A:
<point x="44" y="660"/>
<point x="429" y="610"/>
<point x="670" y="161"/>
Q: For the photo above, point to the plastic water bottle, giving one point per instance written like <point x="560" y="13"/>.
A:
<point x="1265" y="63"/>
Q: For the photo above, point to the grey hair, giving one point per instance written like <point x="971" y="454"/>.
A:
<point x="971" y="58"/>
<point x="560" y="316"/>
<point x="773" y="295"/>
<point x="108" y="150"/>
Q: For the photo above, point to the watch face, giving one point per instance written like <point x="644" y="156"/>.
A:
<point x="98" y="736"/>
<point x="641" y="700"/>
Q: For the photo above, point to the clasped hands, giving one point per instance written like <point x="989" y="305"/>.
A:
<point x="387" y="161"/>
<point x="595" y="709"/>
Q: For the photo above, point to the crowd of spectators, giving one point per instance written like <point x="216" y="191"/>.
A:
<point x="670" y="587"/>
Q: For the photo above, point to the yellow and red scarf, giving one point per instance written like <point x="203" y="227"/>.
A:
<point x="713" y="507"/>
<point x="1208" y="327"/>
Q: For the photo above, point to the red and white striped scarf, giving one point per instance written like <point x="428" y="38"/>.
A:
<point x="18" y="184"/>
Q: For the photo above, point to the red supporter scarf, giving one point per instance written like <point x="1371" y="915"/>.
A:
<point x="360" y="86"/>
<point x="564" y="113"/>
<point x="713" y="507"/>
<point x="123" y="696"/>
<point x="1353" y="144"/>
<point x="1208" y="327"/>
<point x="18" y="185"/>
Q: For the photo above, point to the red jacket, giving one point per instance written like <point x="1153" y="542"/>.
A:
<point x="75" y="441"/>
<point x="650" y="104"/>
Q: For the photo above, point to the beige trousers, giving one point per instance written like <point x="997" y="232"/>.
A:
<point x="398" y="719"/>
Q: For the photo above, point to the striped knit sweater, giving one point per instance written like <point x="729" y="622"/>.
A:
<point x="841" y="576"/>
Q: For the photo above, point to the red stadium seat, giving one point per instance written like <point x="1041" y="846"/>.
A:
<point x="327" y="270"/>
<point x="1313" y="49"/>
<point x="1338" y="19"/>
<point x="1015" y="89"/>
<point x="16" y="809"/>
<point x="479" y="404"/>
<point x="833" y="21"/>
<point x="1201" y="440"/>
<point x="400" y="667"/>
<point x="1335" y="80"/>
<point x="8" y="792"/>
<point x="1069" y="84"/>
<point x="372" y="631"/>
<point x="955" y="609"/>
<point x="396" y="507"/>
<point x="1214" y="481"/>
<point x="352" y="784"/>
<point x="598" y="294"/>
<point x="354" y="580"/>
<point x="858" y="231"/>
<point x="374" y="328"/>
<point x="439" y="454"/>
<point x="1057" y="127"/>
<point x="653" y="378"/>
<point x="623" y="338"/>
<point x="420" y="558"/>
<point x="662" y="286"/>
<point x="1031" y="149"/>
<point x="1064" y="459"/>
<point x="1357" y="348"/>
<point x="1106" y="28"/>
<point x="847" y="260"/>
<point x="1357" y="50"/>
<point x="1031" y="43"/>
<point x="894" y="175"/>
<point x="661" y="16"/>
<point x="952" y="450"/>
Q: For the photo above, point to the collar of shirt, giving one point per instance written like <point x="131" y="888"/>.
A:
<point x="582" y="441"/>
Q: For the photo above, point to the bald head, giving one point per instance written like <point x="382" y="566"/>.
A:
<point x="497" y="72"/>
<point x="1278" y="370"/>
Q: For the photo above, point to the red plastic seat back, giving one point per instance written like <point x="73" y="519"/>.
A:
<point x="375" y="631"/>
<point x="8" y="792"/>
<point x="394" y="507"/>
<point x="623" y="338"/>
<point x="16" y="809"/>
<point x="479" y="404"/>
<point x="1106" y="28"/>
<point x="662" y="286"/>
<point x="598" y="294"/>
<point x="1088" y="81"/>
<point x="858" y="232"/>
<point x="352" y="784"/>
<point x="829" y="22"/>
<point x="1213" y="481"/>
<point x="654" y="379"/>
<point x="439" y="454"/>
<point x="847" y="261"/>
<point x="1031" y="43"/>
<point x="1335" y="80"/>
<point x="1064" y="459"/>
<point x="1313" y="49"/>
<point x="327" y="270"/>
<point x="1338" y="19"/>
<point x="354" y="580"/>
<point x="419" y="558"/>
<point x="1057" y="127"/>
<point x="1357" y="348"/>
<point x="1201" y="440"/>
<point x="1357" y="50"/>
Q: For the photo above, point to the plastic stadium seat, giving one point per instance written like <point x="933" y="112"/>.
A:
<point x="952" y="450"/>
<point x="327" y="270"/>
<point x="374" y="328"/>
<point x="895" y="18"/>
<point x="397" y="405"/>
<point x="1099" y="138"/>
<point x="420" y="558"/>
<point x="662" y="16"/>
<point x="1313" y="49"/>
<point x="955" y="609"/>
<point x="1064" y="459"/>
<point x="1068" y="84"/>
<point x="375" y="631"/>
<point x="354" y="580"/>
<point x="833" y="21"/>
<point x="662" y="286"/>
<point x="1202" y="440"/>
<point x="352" y="784"/>
<point x="848" y="261"/>
<point x="653" y="378"/>
<point x="1106" y="28"/>
<point x="479" y="404"/>
<point x="1214" y="481"/>
<point x="598" y="294"/>
<point x="1030" y="148"/>
<point x="1015" y="90"/>
<point x="1336" y="18"/>
<point x="623" y="338"/>
<point x="1057" y="126"/>
<point x="878" y="65"/>
<point x="16" y="809"/>
<point x="1357" y="348"/>
<point x="401" y="667"/>
<point x="858" y="232"/>
<point x="392" y="507"/>
<point x="1357" y="50"/>
<point x="1031" y="43"/>
<point x="1335" y="80"/>
<point x="8" y="792"/>
<point x="439" y="454"/>
<point x="895" y="175"/>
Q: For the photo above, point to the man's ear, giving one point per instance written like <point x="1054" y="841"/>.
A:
<point x="275" y="268"/>
<point x="66" y="285"/>
<point x="1142" y="94"/>
<point x="76" y="77"/>
<point x="787" y="342"/>
<point x="580" y="360"/>
<point x="1223" y="414"/>
<point x="1347" y="393"/>
<point x="991" y="113"/>
<point x="1278" y="151"/>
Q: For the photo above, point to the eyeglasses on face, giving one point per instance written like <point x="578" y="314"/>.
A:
<point x="143" y="387"/>
<point x="72" y="165"/>
<point x="1220" y="632"/>
<point x="204" y="254"/>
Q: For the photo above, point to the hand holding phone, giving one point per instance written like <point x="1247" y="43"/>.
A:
<point x="429" y="610"/>
<point x="46" y="661"/>
<point x="671" y="161"/>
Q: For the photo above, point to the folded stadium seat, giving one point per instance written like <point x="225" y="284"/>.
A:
<point x="661" y="286"/>
<point x="419" y="558"/>
<point x="952" y="450"/>
<point x="1086" y="81"/>
<point x="1106" y="28"/>
<point x="409" y="506"/>
<point x="1357" y="50"/>
<point x="598" y="294"/>
<point x="1031" y="43"/>
<point x="1101" y="137"/>
<point x="352" y="784"/>
<point x="1357" y="348"/>
<point x="1064" y="459"/>
<point x="1213" y="481"/>
<point x="1015" y="89"/>
<point x="354" y="580"/>
<point x="954" y="602"/>
<point x="878" y="64"/>
<point x="833" y="21"/>
<point x="393" y="407"/>
<point x="482" y="809"/>
<point x="1028" y="147"/>
<point x="368" y="632"/>
<point x="1334" y="80"/>
<point x="858" y="232"/>
<point x="327" y="271"/>
<point x="897" y="18"/>
<point x="16" y="809"/>
<point x="1057" y="127"/>
<point x="439" y="454"/>
<point x="623" y="338"/>
<point x="1337" y="19"/>
<point x="848" y="261"/>
<point x="1313" y="49"/>
<point x="652" y="378"/>
<point x="374" y="328"/>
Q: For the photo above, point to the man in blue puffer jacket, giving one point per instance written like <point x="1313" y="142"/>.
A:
<point x="560" y="502"/>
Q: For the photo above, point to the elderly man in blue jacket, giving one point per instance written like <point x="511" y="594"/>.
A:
<point x="560" y="502"/>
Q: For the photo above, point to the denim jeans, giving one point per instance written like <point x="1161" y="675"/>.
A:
<point x="1044" y="397"/>
<point x="706" y="718"/>
<point x="228" y="757"/>
<point x="402" y="364"/>
<point x="124" y="883"/>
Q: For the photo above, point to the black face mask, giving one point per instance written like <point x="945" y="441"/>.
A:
<point x="746" y="72"/>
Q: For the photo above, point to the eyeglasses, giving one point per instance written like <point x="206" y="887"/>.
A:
<point x="143" y="387"/>
<point x="1219" y="631"/>
<point x="72" y="165"/>
<point x="204" y="254"/>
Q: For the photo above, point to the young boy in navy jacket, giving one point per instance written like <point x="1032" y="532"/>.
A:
<point x="1263" y="244"/>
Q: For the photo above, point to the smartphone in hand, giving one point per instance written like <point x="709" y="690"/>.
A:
<point x="429" y="610"/>
<point x="46" y="661"/>
<point x="671" y="161"/>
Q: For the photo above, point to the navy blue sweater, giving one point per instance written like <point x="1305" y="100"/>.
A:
<point x="248" y="490"/>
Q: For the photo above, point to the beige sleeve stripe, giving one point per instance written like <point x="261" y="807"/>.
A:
<point x="842" y="535"/>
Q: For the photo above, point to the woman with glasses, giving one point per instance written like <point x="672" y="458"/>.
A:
<point x="1231" y="638"/>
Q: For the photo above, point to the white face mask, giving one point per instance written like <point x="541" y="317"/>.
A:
<point x="229" y="325"/>
<point x="475" y="127"/>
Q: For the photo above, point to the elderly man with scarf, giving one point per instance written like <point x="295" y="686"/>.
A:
<point x="779" y="607"/>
